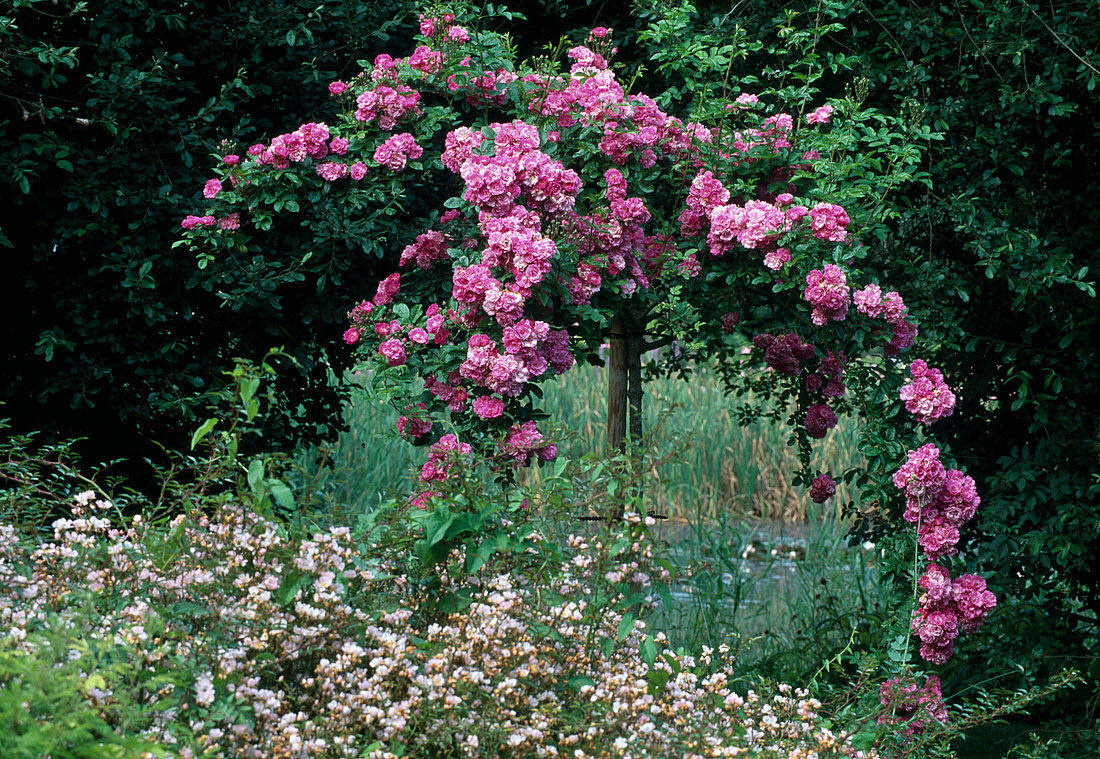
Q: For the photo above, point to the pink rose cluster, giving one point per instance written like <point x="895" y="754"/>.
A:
<point x="635" y="128"/>
<point x="523" y="442"/>
<point x="614" y="246"/>
<point x="488" y="407"/>
<point x="784" y="353"/>
<point x="429" y="247"/>
<point x="585" y="60"/>
<point x="949" y="607"/>
<point x="330" y="171"/>
<point x="777" y="258"/>
<point x="927" y="397"/>
<point x="872" y="302"/>
<point x="730" y="320"/>
<point x="450" y="392"/>
<point x="490" y="87"/>
<point x="829" y="222"/>
<point x="426" y="60"/>
<point x="387" y="289"/>
<point x="191" y="221"/>
<point x="444" y="27"/>
<point x="941" y="500"/>
<point x="312" y="141"/>
<point x="517" y="168"/>
<point x="827" y="291"/>
<point x="516" y="257"/>
<point x="230" y="223"/>
<point x="393" y="350"/>
<point x="442" y="456"/>
<point x="397" y="150"/>
<point x="756" y="224"/>
<point x="705" y="194"/>
<point x="820" y="115"/>
<point x="915" y="706"/>
<point x="358" y="317"/>
<point x="820" y="418"/>
<point x="829" y="378"/>
<point x="414" y="424"/>
<point x="307" y="141"/>
<point x="388" y="104"/>
<point x="751" y="225"/>
<point x="530" y="348"/>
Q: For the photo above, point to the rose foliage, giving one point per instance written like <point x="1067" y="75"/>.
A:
<point x="575" y="206"/>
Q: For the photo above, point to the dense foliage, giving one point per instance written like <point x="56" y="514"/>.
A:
<point x="1006" y="241"/>
<point x="109" y="112"/>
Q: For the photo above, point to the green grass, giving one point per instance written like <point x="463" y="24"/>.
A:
<point x="716" y="467"/>
<point x="709" y="465"/>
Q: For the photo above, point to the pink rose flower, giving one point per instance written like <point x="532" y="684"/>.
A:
<point x="821" y="115"/>
<point x="822" y="489"/>
<point x="393" y="351"/>
<point x="488" y="407"/>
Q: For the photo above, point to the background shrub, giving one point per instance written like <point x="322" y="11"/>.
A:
<point x="109" y="114"/>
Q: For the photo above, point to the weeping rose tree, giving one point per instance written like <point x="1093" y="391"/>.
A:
<point x="573" y="214"/>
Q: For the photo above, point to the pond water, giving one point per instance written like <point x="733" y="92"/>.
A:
<point x="768" y="583"/>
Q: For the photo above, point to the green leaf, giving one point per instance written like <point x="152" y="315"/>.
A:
<point x="188" y="609"/>
<point x="282" y="493"/>
<point x="256" y="476"/>
<point x="203" y="431"/>
<point x="436" y="528"/>
<point x="626" y="624"/>
<point x="463" y="523"/>
<point x="292" y="582"/>
<point x="579" y="681"/>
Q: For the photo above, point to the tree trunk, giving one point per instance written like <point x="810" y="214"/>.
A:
<point x="617" y="387"/>
<point x="634" y="383"/>
<point x="624" y="387"/>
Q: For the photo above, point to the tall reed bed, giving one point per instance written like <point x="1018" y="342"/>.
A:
<point x="706" y="464"/>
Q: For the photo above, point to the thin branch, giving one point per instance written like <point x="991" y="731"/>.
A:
<point x="1063" y="43"/>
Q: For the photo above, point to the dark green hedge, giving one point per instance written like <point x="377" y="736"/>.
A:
<point x="110" y="117"/>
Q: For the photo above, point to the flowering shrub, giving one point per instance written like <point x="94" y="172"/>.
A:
<point x="576" y="205"/>
<point x="266" y="644"/>
<point x="580" y="211"/>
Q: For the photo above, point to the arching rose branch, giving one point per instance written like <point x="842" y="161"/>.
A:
<point x="580" y="213"/>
